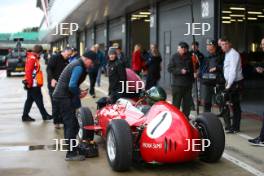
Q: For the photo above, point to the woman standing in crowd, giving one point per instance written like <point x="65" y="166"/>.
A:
<point x="137" y="62"/>
<point x="153" y="66"/>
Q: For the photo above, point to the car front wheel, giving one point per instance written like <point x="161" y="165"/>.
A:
<point x="119" y="145"/>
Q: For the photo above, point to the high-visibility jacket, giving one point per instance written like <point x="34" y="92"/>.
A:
<point x="33" y="75"/>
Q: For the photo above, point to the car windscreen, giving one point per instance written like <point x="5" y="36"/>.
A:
<point x="18" y="53"/>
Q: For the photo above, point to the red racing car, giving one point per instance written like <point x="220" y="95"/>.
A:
<point x="150" y="129"/>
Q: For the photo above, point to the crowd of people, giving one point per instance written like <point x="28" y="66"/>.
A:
<point x="66" y="70"/>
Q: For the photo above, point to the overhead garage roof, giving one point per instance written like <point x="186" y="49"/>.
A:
<point x="27" y="36"/>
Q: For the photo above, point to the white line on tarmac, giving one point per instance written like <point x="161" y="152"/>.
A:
<point x="243" y="165"/>
<point x="244" y="136"/>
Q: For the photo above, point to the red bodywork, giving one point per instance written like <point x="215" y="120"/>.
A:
<point x="165" y="130"/>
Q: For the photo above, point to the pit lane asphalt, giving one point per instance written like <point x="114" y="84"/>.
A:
<point x="18" y="159"/>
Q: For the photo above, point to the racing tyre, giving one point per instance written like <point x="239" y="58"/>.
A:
<point x="211" y="128"/>
<point x="8" y="73"/>
<point x="85" y="117"/>
<point x="119" y="145"/>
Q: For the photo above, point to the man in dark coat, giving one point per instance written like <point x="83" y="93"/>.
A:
<point x="181" y="68"/>
<point x="55" y="66"/>
<point x="67" y="95"/>
<point x="117" y="76"/>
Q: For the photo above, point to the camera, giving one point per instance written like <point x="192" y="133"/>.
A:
<point x="221" y="95"/>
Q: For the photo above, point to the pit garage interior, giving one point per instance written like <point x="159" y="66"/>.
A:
<point x="127" y="23"/>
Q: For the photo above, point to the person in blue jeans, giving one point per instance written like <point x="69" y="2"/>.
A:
<point x="67" y="95"/>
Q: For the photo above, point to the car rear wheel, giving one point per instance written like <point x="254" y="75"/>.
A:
<point x="119" y="145"/>
<point x="211" y="128"/>
<point x="85" y="118"/>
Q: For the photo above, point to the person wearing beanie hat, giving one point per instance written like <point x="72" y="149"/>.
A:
<point x="112" y="51"/>
<point x="117" y="75"/>
<point x="67" y="95"/>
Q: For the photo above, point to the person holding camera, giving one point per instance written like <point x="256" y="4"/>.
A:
<point x="181" y="68"/>
<point x="211" y="73"/>
<point x="33" y="83"/>
<point x="233" y="76"/>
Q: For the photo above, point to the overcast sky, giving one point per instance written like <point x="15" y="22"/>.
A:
<point x="16" y="15"/>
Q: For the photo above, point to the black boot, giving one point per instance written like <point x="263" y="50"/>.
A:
<point x="27" y="118"/>
<point x="47" y="117"/>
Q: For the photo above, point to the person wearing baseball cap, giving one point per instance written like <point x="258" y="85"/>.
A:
<point x="211" y="71"/>
<point x="181" y="68"/>
<point x="67" y="95"/>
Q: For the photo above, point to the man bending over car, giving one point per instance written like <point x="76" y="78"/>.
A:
<point x="67" y="95"/>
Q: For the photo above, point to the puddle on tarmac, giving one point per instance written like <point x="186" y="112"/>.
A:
<point x="30" y="148"/>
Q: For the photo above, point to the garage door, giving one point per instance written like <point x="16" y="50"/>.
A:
<point x="172" y="28"/>
<point x="115" y="29"/>
<point x="89" y="38"/>
<point x="100" y="34"/>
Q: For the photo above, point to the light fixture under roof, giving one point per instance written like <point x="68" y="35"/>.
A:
<point x="251" y="18"/>
<point x="140" y="16"/>
<point x="226" y="17"/>
<point x="237" y="15"/>
<point x="226" y="22"/>
<point x="233" y="20"/>
<point x="261" y="16"/>
<point x="147" y="20"/>
<point x="240" y="20"/>
<point x="256" y="13"/>
<point x="144" y="13"/>
<point x="237" y="8"/>
<point x="226" y="11"/>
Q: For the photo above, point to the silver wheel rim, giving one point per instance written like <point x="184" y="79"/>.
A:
<point x="111" y="146"/>
<point x="80" y="133"/>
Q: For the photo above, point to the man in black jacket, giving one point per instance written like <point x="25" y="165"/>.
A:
<point x="56" y="65"/>
<point x="211" y="73"/>
<point x="181" y="68"/>
<point x="67" y="95"/>
<point x="117" y="74"/>
<point x="259" y="141"/>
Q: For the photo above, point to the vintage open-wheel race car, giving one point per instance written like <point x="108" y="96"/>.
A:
<point x="151" y="130"/>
